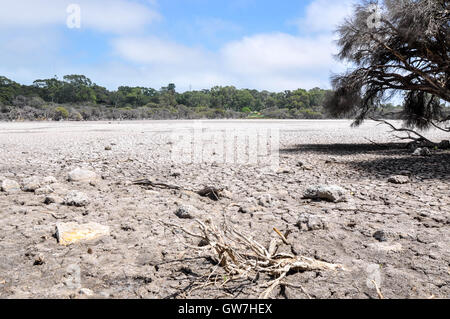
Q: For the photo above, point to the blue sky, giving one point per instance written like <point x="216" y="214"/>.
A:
<point x="262" y="44"/>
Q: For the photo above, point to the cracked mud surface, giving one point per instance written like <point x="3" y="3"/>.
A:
<point x="399" y="233"/>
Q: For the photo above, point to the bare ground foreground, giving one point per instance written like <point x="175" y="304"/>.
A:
<point x="394" y="234"/>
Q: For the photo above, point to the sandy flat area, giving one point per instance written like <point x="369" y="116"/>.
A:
<point x="395" y="234"/>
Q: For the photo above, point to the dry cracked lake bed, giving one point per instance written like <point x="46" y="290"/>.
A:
<point x="74" y="224"/>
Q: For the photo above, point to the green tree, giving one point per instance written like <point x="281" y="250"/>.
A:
<point x="406" y="52"/>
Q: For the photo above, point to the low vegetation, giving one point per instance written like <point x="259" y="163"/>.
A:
<point x="77" y="98"/>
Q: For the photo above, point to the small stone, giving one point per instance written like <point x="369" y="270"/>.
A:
<point x="53" y="199"/>
<point x="203" y="243"/>
<point x="425" y="151"/>
<point x="82" y="175"/>
<point x="70" y="233"/>
<point x="398" y="179"/>
<point x="381" y="236"/>
<point x="247" y="209"/>
<point x="108" y="148"/>
<point x="31" y="184"/>
<point x="39" y="260"/>
<point x="76" y="198"/>
<point x="44" y="190"/>
<point x="311" y="222"/>
<point x="185" y="212"/>
<point x="331" y="193"/>
<point x="10" y="186"/>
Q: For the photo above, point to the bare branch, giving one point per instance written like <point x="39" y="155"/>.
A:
<point x="406" y="130"/>
<point x="242" y="257"/>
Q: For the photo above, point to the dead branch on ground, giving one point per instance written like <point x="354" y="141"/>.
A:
<point x="147" y="182"/>
<point x="241" y="257"/>
<point x="208" y="191"/>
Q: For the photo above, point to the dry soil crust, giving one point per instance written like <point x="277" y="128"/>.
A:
<point x="409" y="255"/>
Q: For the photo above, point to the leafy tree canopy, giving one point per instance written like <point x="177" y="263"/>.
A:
<point x="396" y="47"/>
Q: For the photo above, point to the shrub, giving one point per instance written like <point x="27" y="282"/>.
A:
<point x="60" y="113"/>
<point x="76" y="116"/>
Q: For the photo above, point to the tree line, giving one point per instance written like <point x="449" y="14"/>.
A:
<point x="76" y="97"/>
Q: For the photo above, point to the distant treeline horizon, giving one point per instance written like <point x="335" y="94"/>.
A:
<point x="76" y="97"/>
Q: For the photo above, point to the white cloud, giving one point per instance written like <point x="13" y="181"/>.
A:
<point x="116" y="16"/>
<point x="268" y="53"/>
<point x="324" y="15"/>
<point x="273" y="61"/>
<point x="264" y="61"/>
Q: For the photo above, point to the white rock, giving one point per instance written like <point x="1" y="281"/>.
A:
<point x="70" y="233"/>
<point x="76" y="198"/>
<point x="82" y="175"/>
<point x="31" y="184"/>
<point x="422" y="152"/>
<point x="44" y="190"/>
<point x="10" y="186"/>
<point x="332" y="193"/>
<point x="398" y="179"/>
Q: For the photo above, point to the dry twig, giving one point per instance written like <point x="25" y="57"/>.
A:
<point x="242" y="258"/>
<point x="380" y="295"/>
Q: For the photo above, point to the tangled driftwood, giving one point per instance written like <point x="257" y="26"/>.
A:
<point x="242" y="257"/>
